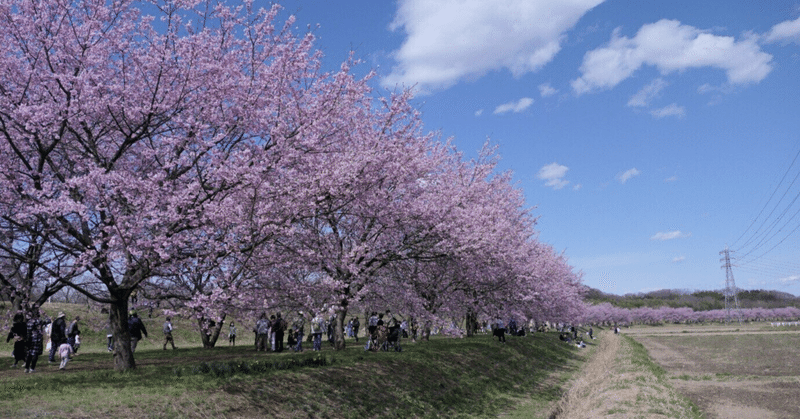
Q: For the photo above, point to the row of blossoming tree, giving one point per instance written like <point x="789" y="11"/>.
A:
<point x="197" y="152"/>
<point x="605" y="313"/>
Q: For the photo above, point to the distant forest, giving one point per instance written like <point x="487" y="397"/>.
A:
<point x="697" y="300"/>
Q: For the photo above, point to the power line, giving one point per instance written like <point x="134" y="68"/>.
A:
<point x="779" y="225"/>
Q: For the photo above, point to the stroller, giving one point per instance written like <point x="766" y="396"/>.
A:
<point x="392" y="339"/>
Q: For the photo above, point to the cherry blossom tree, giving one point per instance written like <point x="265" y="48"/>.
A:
<point x="202" y="156"/>
<point x="128" y="137"/>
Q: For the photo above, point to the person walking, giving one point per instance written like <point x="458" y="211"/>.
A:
<point x="33" y="341"/>
<point x="19" y="332"/>
<point x="136" y="329"/>
<point x="73" y="335"/>
<point x="58" y="335"/>
<point x="168" y="334"/>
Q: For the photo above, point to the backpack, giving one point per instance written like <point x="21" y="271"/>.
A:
<point x="73" y="329"/>
<point x="167" y="327"/>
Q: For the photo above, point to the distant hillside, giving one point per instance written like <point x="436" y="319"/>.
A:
<point x="697" y="300"/>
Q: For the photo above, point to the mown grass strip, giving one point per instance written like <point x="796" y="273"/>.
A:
<point x="475" y="377"/>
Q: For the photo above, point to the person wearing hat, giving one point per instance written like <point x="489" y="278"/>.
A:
<point x="58" y="334"/>
<point x="136" y="329"/>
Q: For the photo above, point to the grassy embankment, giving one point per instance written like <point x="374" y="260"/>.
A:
<point x="446" y="377"/>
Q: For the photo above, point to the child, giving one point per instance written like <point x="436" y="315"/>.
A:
<point x="64" y="352"/>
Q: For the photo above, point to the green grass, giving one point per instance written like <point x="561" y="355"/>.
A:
<point x="446" y="377"/>
<point x="641" y="357"/>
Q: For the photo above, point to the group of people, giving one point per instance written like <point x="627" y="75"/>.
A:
<point x="270" y="332"/>
<point x="351" y="330"/>
<point x="29" y="337"/>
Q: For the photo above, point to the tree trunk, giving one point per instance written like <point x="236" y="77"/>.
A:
<point x="118" y="319"/>
<point x="426" y="331"/>
<point x="209" y="337"/>
<point x="471" y="323"/>
<point x="338" y="328"/>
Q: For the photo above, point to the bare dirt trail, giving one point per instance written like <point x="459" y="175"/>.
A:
<point x="616" y="383"/>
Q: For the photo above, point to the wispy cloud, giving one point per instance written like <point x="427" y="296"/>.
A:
<point x="670" y="235"/>
<point x="671" y="47"/>
<point x="643" y="97"/>
<point x="785" y="31"/>
<point x="671" y="179"/>
<point x="790" y="279"/>
<point x="515" y="107"/>
<point x="546" y="90"/>
<point x="553" y="175"/>
<point x="479" y="112"/>
<point x="678" y="259"/>
<point x="669" y="110"/>
<point x="450" y="41"/>
<point x="628" y="175"/>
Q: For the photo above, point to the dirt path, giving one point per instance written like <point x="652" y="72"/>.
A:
<point x="617" y="382"/>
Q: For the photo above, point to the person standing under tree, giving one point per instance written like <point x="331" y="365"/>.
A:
<point x="356" y="324"/>
<point x="33" y="341"/>
<point x="280" y="328"/>
<point x="168" y="334"/>
<point x="317" y="324"/>
<point x="19" y="332"/>
<point x="299" y="326"/>
<point x="232" y="335"/>
<point x="262" y="333"/>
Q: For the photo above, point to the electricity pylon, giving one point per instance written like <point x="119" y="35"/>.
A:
<point x="731" y="297"/>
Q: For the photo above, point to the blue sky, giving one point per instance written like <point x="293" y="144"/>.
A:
<point x="648" y="135"/>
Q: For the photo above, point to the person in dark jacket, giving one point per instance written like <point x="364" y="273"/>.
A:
<point x="73" y="335"/>
<point x="58" y="335"/>
<point x="19" y="332"/>
<point x="136" y="329"/>
<point x="33" y="341"/>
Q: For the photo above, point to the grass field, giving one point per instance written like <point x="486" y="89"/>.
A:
<point x="736" y="371"/>
<point x="446" y="377"/>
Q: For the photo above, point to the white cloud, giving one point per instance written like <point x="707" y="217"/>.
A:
<point x="790" y="279"/>
<point x="452" y="40"/>
<point x="515" y="107"/>
<point x="671" y="179"/>
<point x="670" y="235"/>
<point x="785" y="31"/>
<point x="678" y="259"/>
<point x="479" y="112"/>
<point x="643" y="97"/>
<point x="553" y="175"/>
<point x="627" y="175"/>
<point x="670" y="46"/>
<point x="669" y="110"/>
<point x="546" y="90"/>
